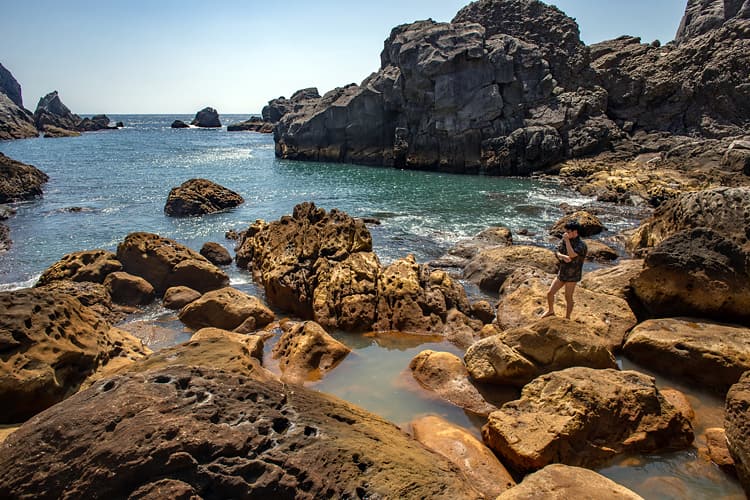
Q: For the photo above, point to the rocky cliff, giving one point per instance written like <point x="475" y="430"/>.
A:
<point x="15" y="121"/>
<point x="508" y="88"/>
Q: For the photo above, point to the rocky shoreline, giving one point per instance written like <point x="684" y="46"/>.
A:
<point x="101" y="414"/>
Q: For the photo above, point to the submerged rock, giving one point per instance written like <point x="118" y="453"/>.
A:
<point x="208" y="432"/>
<point x="198" y="197"/>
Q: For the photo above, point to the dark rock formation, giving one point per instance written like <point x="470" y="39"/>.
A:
<point x="10" y="87"/>
<point x="19" y="181"/>
<point x="207" y="433"/>
<point x="490" y="92"/>
<point x="277" y="108"/>
<point x="55" y="119"/>
<point x="50" y="344"/>
<point x="198" y="197"/>
<point x="15" y="122"/>
<point x="698" y="273"/>
<point x="5" y="241"/>
<point x="179" y="124"/>
<point x="254" y="124"/>
<point x="96" y="122"/>
<point x="206" y="118"/>
<point x="702" y="16"/>
<point x="216" y="254"/>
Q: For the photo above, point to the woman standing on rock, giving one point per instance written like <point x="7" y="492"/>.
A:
<point x="571" y="254"/>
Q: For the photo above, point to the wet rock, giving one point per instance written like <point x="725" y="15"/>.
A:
<point x="523" y="300"/>
<point x="88" y="265"/>
<point x="725" y="210"/>
<point x="216" y="254"/>
<point x="737" y="427"/>
<point x="129" y="290"/>
<point x="19" y="181"/>
<point x="483" y="311"/>
<point x="491" y="267"/>
<point x="699" y="273"/>
<point x="519" y="355"/>
<point x="561" y="482"/>
<point x="475" y="460"/>
<point x="206" y="118"/>
<point x="218" y="434"/>
<point x="307" y="352"/>
<point x="681" y="403"/>
<point x="50" y="344"/>
<point x="179" y="124"/>
<point x="228" y="309"/>
<point x="178" y="297"/>
<point x="718" y="449"/>
<point x="199" y="197"/>
<point x="165" y="263"/>
<point x="590" y="224"/>
<point x="598" y="251"/>
<point x="710" y="354"/>
<point x="490" y="237"/>
<point x="584" y="417"/>
<point x="445" y="374"/>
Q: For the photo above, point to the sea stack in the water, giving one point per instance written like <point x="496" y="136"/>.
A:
<point x="54" y="119"/>
<point x="206" y="118"/>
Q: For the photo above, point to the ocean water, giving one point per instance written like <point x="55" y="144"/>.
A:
<point x="105" y="185"/>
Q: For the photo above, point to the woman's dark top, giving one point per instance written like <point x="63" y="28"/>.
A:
<point x="571" y="271"/>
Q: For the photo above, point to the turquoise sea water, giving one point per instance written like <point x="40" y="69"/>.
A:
<point x="117" y="183"/>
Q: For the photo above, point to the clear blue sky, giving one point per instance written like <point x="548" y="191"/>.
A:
<point x="178" y="56"/>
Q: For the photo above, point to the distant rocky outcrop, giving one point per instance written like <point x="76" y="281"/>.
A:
<point x="254" y="124"/>
<point x="179" y="124"/>
<point x="55" y="119"/>
<point x="206" y="118"/>
<point x="508" y="88"/>
<point x="198" y="197"/>
<point x="15" y="121"/>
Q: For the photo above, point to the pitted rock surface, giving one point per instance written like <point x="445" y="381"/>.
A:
<point x="88" y="265"/>
<point x="306" y="352"/>
<point x="584" y="417"/>
<point x="519" y="355"/>
<point x="165" y="263"/>
<point x="19" y="181"/>
<point x="490" y="267"/>
<point x="590" y="224"/>
<point x="713" y="355"/>
<point x="95" y="296"/>
<point x="221" y="435"/>
<point x="199" y="197"/>
<point x="50" y="343"/>
<point x="226" y="308"/>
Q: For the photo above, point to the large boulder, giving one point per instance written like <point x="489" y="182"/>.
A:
<point x="584" y="417"/>
<point x="52" y="112"/>
<point x="306" y="352"/>
<point x="165" y="263"/>
<point x="458" y="445"/>
<point x="698" y="273"/>
<point x="198" y="197"/>
<point x="519" y="355"/>
<point x="205" y="432"/>
<point x="562" y="482"/>
<point x="87" y="265"/>
<point x="523" y="300"/>
<point x="206" y="118"/>
<point x="129" y="290"/>
<point x="490" y="267"/>
<point x="710" y="354"/>
<point x="737" y="427"/>
<point x="51" y="343"/>
<point x="228" y="309"/>
<point x="19" y="181"/>
<point x="725" y="210"/>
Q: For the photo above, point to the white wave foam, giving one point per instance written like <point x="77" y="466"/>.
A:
<point x="17" y="285"/>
